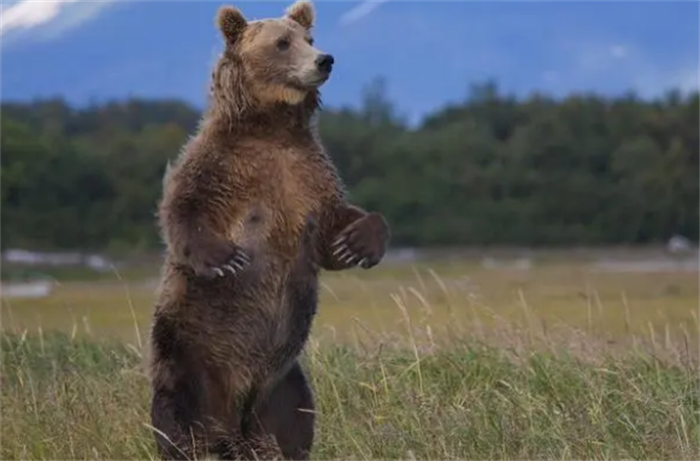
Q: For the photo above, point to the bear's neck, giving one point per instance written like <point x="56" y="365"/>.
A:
<point x="264" y="120"/>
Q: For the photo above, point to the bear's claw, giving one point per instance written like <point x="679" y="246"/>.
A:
<point x="363" y="242"/>
<point x="237" y="263"/>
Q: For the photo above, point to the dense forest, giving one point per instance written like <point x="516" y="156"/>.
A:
<point x="492" y="169"/>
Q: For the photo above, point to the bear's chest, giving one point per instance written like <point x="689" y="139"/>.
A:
<point x="303" y="179"/>
<point x="300" y="186"/>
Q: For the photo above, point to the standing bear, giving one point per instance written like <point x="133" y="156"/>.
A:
<point x="252" y="209"/>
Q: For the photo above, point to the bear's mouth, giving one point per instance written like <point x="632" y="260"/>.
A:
<point x="319" y="81"/>
<point x="310" y="84"/>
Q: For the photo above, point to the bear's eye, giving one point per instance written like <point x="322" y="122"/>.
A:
<point x="310" y="41"/>
<point x="282" y="44"/>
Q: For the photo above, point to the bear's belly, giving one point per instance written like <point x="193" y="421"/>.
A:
<point x="298" y="308"/>
<point x="259" y="319"/>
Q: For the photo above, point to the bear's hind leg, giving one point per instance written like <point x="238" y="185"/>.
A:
<point x="287" y="413"/>
<point x="177" y="435"/>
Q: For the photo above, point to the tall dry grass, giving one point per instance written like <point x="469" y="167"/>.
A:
<point x="412" y="366"/>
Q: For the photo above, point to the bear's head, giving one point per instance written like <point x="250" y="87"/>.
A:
<point x="268" y="62"/>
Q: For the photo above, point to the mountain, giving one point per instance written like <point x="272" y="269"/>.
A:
<point x="429" y="52"/>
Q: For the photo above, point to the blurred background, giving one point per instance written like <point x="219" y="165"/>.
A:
<point x="525" y="153"/>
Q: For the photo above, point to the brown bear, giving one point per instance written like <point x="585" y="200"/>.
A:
<point x="251" y="210"/>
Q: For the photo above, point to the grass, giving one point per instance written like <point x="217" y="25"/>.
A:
<point x="66" y="398"/>
<point x="450" y="361"/>
<point x="459" y="295"/>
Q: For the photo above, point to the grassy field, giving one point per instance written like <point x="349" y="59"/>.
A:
<point x="432" y="361"/>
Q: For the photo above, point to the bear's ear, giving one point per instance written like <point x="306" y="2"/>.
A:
<point x="231" y="23"/>
<point x="303" y="13"/>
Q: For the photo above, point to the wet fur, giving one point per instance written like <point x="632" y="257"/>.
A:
<point x="255" y="177"/>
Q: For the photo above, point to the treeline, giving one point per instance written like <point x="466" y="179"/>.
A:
<point x="493" y="169"/>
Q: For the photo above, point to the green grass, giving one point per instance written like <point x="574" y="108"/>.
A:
<point x="463" y="295"/>
<point x="66" y="398"/>
<point x="440" y="361"/>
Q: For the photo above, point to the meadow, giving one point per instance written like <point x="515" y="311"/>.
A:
<point x="442" y="359"/>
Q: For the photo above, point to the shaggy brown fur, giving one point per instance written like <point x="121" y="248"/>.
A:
<point x="251" y="210"/>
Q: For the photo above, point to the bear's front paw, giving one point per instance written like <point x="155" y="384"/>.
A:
<point x="218" y="259"/>
<point x="362" y="243"/>
<point x="236" y="262"/>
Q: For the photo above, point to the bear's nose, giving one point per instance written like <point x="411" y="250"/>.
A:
<point x="325" y="63"/>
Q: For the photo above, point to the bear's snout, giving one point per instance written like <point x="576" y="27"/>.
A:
<point x="324" y="62"/>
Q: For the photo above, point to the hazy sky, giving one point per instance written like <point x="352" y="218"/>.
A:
<point x="429" y="52"/>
